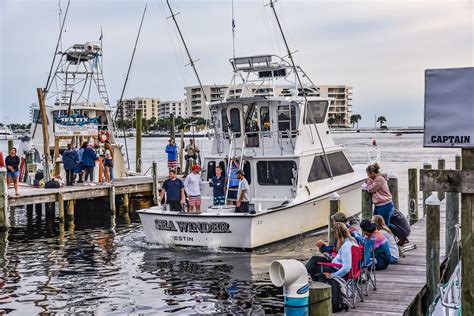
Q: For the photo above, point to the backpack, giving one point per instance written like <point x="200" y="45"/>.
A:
<point x="39" y="175"/>
<point x="336" y="295"/>
<point x="51" y="184"/>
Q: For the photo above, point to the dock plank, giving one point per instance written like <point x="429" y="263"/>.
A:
<point x="399" y="285"/>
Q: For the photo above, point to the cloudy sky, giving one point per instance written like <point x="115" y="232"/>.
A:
<point x="379" y="47"/>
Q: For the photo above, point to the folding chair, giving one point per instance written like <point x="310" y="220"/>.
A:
<point x="367" y="275"/>
<point x="351" y="281"/>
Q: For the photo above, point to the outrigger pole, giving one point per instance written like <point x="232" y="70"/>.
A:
<point x="295" y="69"/>
<point x="120" y="105"/>
<point x="191" y="61"/>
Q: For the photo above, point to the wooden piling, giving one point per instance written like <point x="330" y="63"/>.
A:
<point x="426" y="165"/>
<point x="441" y="166"/>
<point x="413" y="195"/>
<point x="393" y="188"/>
<point x="432" y="246"/>
<point x="112" y="199"/>
<point x="61" y="207"/>
<point x="319" y="299"/>
<point x="452" y="219"/>
<point x="10" y="144"/>
<point x="173" y="128"/>
<point x="181" y="152"/>
<point x="457" y="163"/>
<point x="3" y="200"/>
<point x="70" y="216"/>
<point x="126" y="202"/>
<point x="138" y="139"/>
<point x="44" y="127"/>
<point x="334" y="207"/>
<point x="467" y="239"/>
<point x="156" y="195"/>
<point x="57" y="160"/>
<point x="39" y="210"/>
<point x="367" y="206"/>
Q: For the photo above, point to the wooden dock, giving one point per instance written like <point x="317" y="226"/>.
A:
<point x="401" y="286"/>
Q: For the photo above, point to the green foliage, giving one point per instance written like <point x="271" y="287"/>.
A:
<point x="355" y="119"/>
<point x="381" y="120"/>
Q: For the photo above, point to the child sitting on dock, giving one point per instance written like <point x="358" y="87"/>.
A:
<point x="380" y="223"/>
<point x="339" y="217"/>
<point x="344" y="243"/>
<point x="381" y="247"/>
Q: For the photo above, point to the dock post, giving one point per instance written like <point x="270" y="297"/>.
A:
<point x="393" y="188"/>
<point x="441" y="166"/>
<point x="156" y="195"/>
<point x="138" y="139"/>
<point x="467" y="239"/>
<point x="112" y="199"/>
<point x="10" y="144"/>
<point x="39" y="210"/>
<point x="457" y="162"/>
<point x="452" y="219"/>
<point x="334" y="207"/>
<point x="70" y="215"/>
<point x="44" y="127"/>
<point x="432" y="246"/>
<point x="3" y="200"/>
<point x="181" y="152"/>
<point x="173" y="128"/>
<point x="319" y="299"/>
<point x="49" y="217"/>
<point x="366" y="203"/>
<point x="413" y="195"/>
<point x="126" y="201"/>
<point x="426" y="165"/>
<point x="29" y="214"/>
<point x="61" y="208"/>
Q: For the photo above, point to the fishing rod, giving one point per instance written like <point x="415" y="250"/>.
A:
<point x="46" y="87"/>
<point x="191" y="61"/>
<point x="295" y="69"/>
<point x="120" y="108"/>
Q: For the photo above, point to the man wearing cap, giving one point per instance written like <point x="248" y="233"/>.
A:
<point x="242" y="203"/>
<point x="192" y="185"/>
<point x="172" y="151"/>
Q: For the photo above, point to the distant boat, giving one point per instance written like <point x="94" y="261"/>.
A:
<point x="6" y="133"/>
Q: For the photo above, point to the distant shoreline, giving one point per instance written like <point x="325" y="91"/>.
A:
<point x="392" y="130"/>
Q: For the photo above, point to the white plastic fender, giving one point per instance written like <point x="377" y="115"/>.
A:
<point x="292" y="275"/>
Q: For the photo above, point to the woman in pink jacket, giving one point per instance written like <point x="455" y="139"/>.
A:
<point x="381" y="197"/>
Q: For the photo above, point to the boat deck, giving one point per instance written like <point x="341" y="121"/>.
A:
<point x="401" y="285"/>
<point x="34" y="195"/>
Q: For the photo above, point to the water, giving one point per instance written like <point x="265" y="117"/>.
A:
<point x="104" y="266"/>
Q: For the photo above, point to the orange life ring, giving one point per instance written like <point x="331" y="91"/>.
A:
<point x="104" y="136"/>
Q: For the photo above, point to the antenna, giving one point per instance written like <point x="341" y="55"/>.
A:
<point x="191" y="61"/>
<point x="120" y="105"/>
<point x="295" y="69"/>
<point x="233" y="31"/>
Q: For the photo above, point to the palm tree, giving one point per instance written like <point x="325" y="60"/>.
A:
<point x="339" y="118"/>
<point x="331" y="121"/>
<point x="381" y="120"/>
<point x="355" y="120"/>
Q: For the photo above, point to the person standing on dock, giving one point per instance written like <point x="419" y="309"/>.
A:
<point x="381" y="197"/>
<point x="243" y="200"/>
<point x="70" y="162"/>
<point x="218" y="187"/>
<point x="172" y="151"/>
<point x="80" y="169"/>
<point x="192" y="150"/>
<point x="192" y="185"/>
<point x="89" y="156"/>
<point x="174" y="189"/>
<point x="13" y="172"/>
<point x="108" y="163"/>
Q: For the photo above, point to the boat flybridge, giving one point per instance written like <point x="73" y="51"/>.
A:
<point x="280" y="139"/>
<point x="71" y="115"/>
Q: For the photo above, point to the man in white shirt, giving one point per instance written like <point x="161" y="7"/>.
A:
<point x="192" y="185"/>
<point x="242" y="204"/>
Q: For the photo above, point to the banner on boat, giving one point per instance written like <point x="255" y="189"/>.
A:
<point x="76" y="125"/>
<point x="449" y="108"/>
<point x="192" y="227"/>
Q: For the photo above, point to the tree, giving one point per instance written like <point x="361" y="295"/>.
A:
<point x="339" y="118"/>
<point x="381" y="120"/>
<point x="355" y="120"/>
<point x="331" y="121"/>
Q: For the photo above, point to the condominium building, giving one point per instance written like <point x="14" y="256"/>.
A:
<point x="195" y="100"/>
<point x="150" y="107"/>
<point x="341" y="108"/>
<point x="177" y="108"/>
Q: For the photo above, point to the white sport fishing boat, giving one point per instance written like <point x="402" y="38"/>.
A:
<point x="283" y="144"/>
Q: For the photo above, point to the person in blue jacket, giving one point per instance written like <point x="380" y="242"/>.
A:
<point x="70" y="162"/>
<point x="172" y="151"/>
<point x="89" y="156"/>
<point x="218" y="187"/>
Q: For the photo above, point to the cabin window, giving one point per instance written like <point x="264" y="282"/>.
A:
<point x="235" y="122"/>
<point x="275" y="172"/>
<point x="211" y="168"/>
<point x="264" y="118"/>
<point x="286" y="118"/>
<point x="37" y="119"/>
<point x="315" y="112"/>
<point x="233" y="176"/>
<point x="339" y="166"/>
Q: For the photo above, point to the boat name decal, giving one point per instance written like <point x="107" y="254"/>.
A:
<point x="193" y="227"/>
<point x="76" y="119"/>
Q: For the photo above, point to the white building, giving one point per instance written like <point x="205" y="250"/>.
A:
<point x="341" y="108"/>
<point x="177" y="108"/>
<point x="150" y="107"/>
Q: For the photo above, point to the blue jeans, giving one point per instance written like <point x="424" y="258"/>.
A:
<point x="386" y="211"/>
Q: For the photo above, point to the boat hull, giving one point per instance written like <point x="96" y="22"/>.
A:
<point x="244" y="231"/>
